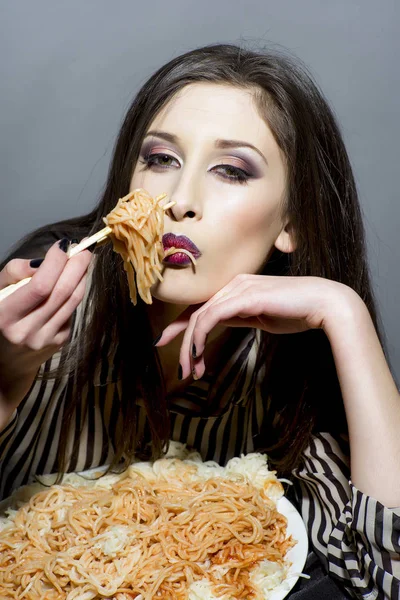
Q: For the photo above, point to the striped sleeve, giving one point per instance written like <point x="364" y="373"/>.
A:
<point x="355" y="536"/>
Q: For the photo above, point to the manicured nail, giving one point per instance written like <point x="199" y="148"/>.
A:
<point x="194" y="351"/>
<point x="74" y="241"/>
<point x="180" y="375"/>
<point x="64" y="244"/>
<point x="194" y="374"/>
<point x="157" y="339"/>
<point x="36" y="262"/>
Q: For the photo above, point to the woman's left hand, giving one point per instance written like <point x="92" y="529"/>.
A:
<point x="273" y="304"/>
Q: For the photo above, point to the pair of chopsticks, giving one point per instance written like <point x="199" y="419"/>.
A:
<point x="96" y="238"/>
<point x="93" y="239"/>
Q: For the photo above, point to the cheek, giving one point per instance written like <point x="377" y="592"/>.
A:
<point x="247" y="224"/>
<point x="236" y="239"/>
<point x="246" y="232"/>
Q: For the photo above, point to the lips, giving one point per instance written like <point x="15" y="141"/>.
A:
<point x="170" y="240"/>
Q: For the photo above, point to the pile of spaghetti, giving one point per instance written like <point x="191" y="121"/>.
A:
<point x="157" y="531"/>
<point x="137" y="227"/>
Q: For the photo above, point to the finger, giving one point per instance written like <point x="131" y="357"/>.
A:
<point x="64" y="314"/>
<point x="238" y="310"/>
<point x="176" y="327"/>
<point x="63" y="335"/>
<point x="187" y="322"/>
<point x="65" y="288"/>
<point x="238" y="286"/>
<point x="198" y="364"/>
<point x="262" y="303"/>
<point x="185" y="354"/>
<point x="75" y="269"/>
<point x="59" y="340"/>
<point x="55" y="329"/>
<point x="16" y="270"/>
<point x="180" y="324"/>
<point x="25" y="299"/>
<point x="187" y="350"/>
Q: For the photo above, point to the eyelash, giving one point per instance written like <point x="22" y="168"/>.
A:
<point x="239" y="175"/>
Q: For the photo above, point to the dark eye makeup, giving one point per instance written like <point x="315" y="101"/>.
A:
<point x="159" y="161"/>
<point x="231" y="173"/>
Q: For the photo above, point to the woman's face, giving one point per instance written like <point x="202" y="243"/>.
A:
<point x="211" y="153"/>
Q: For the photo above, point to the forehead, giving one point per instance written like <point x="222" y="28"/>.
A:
<point x="216" y="111"/>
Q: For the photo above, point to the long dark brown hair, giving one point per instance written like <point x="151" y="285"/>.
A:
<point x="301" y="381"/>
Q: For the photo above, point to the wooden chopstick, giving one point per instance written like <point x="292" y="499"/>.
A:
<point x="96" y="238"/>
<point x="93" y="239"/>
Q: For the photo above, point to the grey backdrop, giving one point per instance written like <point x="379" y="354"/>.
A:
<point x="70" y="68"/>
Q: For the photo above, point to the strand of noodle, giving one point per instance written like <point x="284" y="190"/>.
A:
<point x="173" y="250"/>
<point x="136" y="225"/>
<point x="154" y="511"/>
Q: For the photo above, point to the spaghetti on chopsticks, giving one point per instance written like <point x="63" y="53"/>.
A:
<point x="137" y="227"/>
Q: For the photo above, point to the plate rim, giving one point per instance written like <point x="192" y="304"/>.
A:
<point x="295" y="527"/>
<point x="297" y="555"/>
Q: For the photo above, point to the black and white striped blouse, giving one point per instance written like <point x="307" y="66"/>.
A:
<point x="355" y="536"/>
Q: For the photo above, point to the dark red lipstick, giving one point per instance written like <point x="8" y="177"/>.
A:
<point x="170" y="240"/>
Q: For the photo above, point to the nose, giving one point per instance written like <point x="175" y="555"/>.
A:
<point x="187" y="197"/>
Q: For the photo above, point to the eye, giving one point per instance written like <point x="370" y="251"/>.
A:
<point x="231" y="173"/>
<point x="160" y="161"/>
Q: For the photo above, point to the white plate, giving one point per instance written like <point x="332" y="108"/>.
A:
<point x="298" y="554"/>
<point x="295" y="527"/>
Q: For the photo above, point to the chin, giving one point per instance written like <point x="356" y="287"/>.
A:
<point x="179" y="295"/>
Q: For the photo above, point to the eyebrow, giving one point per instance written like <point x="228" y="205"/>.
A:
<point x="221" y="144"/>
<point x="168" y="137"/>
<point x="238" y="144"/>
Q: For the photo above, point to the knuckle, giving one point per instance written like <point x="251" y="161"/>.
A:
<point x="61" y="292"/>
<point x="39" y="289"/>
<point x="201" y="322"/>
<point x="76" y="297"/>
<point x="194" y="318"/>
<point x="11" y="268"/>
<point x="13" y="271"/>
<point x="43" y="341"/>
<point x="61" y="339"/>
<point x="15" y="336"/>
<point x="84" y="258"/>
<point x="35" y="344"/>
<point x="200" y="317"/>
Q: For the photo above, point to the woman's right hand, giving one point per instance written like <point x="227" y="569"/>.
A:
<point x="35" y="320"/>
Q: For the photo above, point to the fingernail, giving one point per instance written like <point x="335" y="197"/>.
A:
<point x="36" y="262"/>
<point x="194" y="374"/>
<point x="64" y="244"/>
<point x="74" y="241"/>
<point x="180" y="375"/>
<point x="194" y="352"/>
<point x="157" y="339"/>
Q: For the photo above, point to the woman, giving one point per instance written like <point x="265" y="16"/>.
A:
<point x="271" y="342"/>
